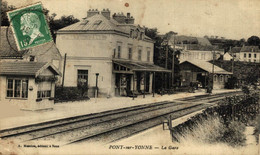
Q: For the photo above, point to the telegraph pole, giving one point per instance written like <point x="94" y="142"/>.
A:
<point x="213" y="68"/>
<point x="173" y="58"/>
<point x="232" y="60"/>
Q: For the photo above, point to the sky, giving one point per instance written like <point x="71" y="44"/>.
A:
<point x="232" y="19"/>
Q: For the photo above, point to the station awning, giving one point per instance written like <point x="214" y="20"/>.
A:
<point x="130" y="67"/>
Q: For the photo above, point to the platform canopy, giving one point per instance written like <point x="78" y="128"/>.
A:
<point x="130" y="67"/>
<point x="207" y="66"/>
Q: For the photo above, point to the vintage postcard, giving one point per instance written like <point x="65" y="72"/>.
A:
<point x="130" y="77"/>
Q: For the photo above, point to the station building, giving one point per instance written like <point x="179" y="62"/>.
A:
<point x="112" y="47"/>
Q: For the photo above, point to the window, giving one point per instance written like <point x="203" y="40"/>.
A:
<point x="139" y="54"/>
<point x="84" y="22"/>
<point x="226" y="78"/>
<point x="148" y="56"/>
<point x="44" y="89"/>
<point x="130" y="53"/>
<point x="114" y="54"/>
<point x="249" y="55"/>
<point x="32" y="58"/>
<point x="244" y="55"/>
<point x="254" y="55"/>
<point x="119" y="51"/>
<point x="131" y="33"/>
<point x="82" y="77"/>
<point x="221" y="78"/>
<point x="97" y="22"/>
<point x="17" y="88"/>
<point x="215" y="78"/>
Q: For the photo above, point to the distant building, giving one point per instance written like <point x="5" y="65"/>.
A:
<point x="199" y="71"/>
<point x="27" y="78"/>
<point x="112" y="46"/>
<point x="235" y="52"/>
<point x="195" y="48"/>
<point x="250" y="54"/>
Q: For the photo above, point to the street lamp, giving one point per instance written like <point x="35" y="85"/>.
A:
<point x="96" y="91"/>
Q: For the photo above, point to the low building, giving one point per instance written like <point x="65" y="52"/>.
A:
<point x="234" y="52"/>
<point x="199" y="71"/>
<point x="112" y="47"/>
<point x="27" y="78"/>
<point x="29" y="85"/>
<point x="227" y="56"/>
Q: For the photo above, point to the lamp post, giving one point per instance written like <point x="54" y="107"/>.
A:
<point x="96" y="91"/>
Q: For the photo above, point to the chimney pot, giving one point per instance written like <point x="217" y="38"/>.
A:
<point x="106" y="13"/>
<point x="92" y="12"/>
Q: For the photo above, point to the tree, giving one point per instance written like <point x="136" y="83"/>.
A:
<point x="56" y="24"/>
<point x="253" y="41"/>
<point x="5" y="8"/>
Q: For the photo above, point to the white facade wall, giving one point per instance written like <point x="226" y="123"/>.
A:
<point x="29" y="103"/>
<point x="245" y="56"/>
<point x="198" y="55"/>
<point x="95" y="52"/>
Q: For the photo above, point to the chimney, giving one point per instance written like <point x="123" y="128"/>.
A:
<point x="92" y="12"/>
<point x="119" y="17"/>
<point x="106" y="13"/>
<point x="129" y="19"/>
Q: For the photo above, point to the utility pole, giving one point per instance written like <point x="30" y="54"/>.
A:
<point x="232" y="60"/>
<point x="166" y="56"/>
<point x="64" y="67"/>
<point x="173" y="58"/>
<point x="213" y="68"/>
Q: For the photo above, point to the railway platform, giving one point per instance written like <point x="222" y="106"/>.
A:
<point x="16" y="118"/>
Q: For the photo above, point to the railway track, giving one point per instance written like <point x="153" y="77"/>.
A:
<point x="111" y="125"/>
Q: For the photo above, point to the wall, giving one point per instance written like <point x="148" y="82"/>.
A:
<point x="247" y="59"/>
<point x="27" y="103"/>
<point x="94" y="52"/>
<point x="199" y="55"/>
<point x="217" y="83"/>
<point x="22" y="103"/>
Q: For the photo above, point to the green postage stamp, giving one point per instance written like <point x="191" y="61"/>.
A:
<point x="29" y="26"/>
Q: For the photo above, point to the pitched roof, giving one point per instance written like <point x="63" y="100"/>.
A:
<point x="250" y="49"/>
<point x="193" y="43"/>
<point x="99" y="23"/>
<point x="96" y="22"/>
<point x="25" y="68"/>
<point x="203" y="41"/>
<point x="8" y="46"/>
<point x="207" y="66"/>
<point x="236" y="49"/>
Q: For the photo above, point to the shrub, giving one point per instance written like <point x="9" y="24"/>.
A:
<point x="68" y="94"/>
<point x="224" y="123"/>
